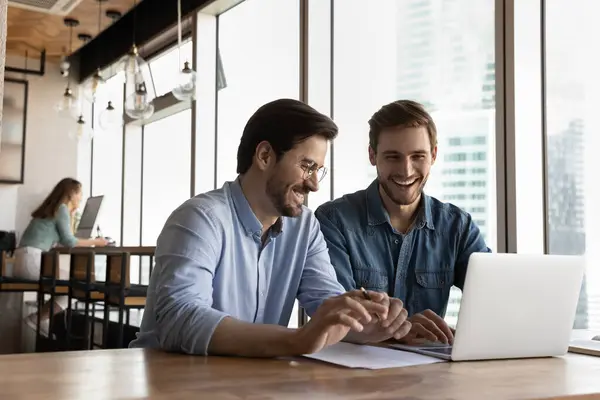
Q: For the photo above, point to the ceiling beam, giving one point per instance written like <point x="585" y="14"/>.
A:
<point x="150" y="18"/>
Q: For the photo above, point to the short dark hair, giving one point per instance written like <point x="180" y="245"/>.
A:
<point x="405" y="113"/>
<point x="283" y="123"/>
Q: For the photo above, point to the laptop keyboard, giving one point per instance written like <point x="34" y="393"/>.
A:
<point x="441" y="350"/>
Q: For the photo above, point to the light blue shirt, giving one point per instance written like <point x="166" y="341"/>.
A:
<point x="45" y="233"/>
<point x="210" y="263"/>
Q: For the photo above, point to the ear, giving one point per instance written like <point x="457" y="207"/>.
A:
<point x="372" y="156"/>
<point x="434" y="155"/>
<point x="264" y="155"/>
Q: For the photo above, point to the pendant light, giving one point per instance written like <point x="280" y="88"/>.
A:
<point x="138" y="105"/>
<point x="111" y="119"/>
<point x="67" y="106"/>
<point x="96" y="82"/>
<point x="185" y="86"/>
<point x="82" y="131"/>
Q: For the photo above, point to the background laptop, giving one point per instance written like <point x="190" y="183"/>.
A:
<point x="87" y="222"/>
<point x="514" y="306"/>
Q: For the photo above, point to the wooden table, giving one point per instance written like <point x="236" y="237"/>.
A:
<point x="134" y="373"/>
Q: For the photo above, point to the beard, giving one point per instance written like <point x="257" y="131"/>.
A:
<point x="287" y="199"/>
<point x="403" y="195"/>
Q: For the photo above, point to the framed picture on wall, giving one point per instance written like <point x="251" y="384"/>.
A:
<point x="14" y="128"/>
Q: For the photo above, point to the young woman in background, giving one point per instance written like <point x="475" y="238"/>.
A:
<point x="52" y="224"/>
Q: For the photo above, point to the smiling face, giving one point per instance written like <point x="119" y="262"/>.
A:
<point x="403" y="158"/>
<point x="286" y="185"/>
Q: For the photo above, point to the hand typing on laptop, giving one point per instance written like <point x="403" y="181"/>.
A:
<point x="430" y="327"/>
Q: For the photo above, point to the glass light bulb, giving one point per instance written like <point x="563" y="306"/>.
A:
<point x="132" y="64"/>
<point x="110" y="119"/>
<point x="185" y="89"/>
<point x="93" y="86"/>
<point x="137" y="105"/>
<point x="67" y="106"/>
<point x="81" y="132"/>
<point x="65" y="64"/>
<point x="64" y="67"/>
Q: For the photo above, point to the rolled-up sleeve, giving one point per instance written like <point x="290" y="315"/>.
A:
<point x="318" y="280"/>
<point x="187" y="254"/>
<point x="63" y="226"/>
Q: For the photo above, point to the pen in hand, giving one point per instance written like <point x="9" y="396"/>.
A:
<point x="367" y="297"/>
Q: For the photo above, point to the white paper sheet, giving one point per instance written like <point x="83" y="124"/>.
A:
<point x="370" y="357"/>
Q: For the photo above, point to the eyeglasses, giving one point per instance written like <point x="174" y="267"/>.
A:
<point x="310" y="169"/>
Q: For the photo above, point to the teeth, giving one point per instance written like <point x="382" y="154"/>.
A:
<point x="404" y="183"/>
<point x="299" y="195"/>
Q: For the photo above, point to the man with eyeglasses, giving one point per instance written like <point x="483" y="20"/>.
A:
<point x="392" y="237"/>
<point x="231" y="262"/>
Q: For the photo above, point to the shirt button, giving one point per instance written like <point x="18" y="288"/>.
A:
<point x="396" y="241"/>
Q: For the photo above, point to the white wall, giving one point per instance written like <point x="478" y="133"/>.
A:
<point x="50" y="154"/>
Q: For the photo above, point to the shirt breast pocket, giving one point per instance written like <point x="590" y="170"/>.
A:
<point x="433" y="290"/>
<point x="371" y="279"/>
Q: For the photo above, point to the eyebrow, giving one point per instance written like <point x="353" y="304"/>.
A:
<point x="393" y="152"/>
<point x="310" y="161"/>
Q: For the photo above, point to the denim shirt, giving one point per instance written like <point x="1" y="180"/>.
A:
<point x="418" y="267"/>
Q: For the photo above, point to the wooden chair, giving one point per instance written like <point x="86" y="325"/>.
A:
<point x="83" y="288"/>
<point x="120" y="293"/>
<point x="49" y="284"/>
<point x="13" y="284"/>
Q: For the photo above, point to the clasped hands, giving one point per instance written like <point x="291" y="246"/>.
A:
<point x="353" y="318"/>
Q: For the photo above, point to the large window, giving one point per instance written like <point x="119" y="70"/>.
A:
<point x="259" y="47"/>
<point x="107" y="161"/>
<point x="362" y="55"/>
<point x="166" y="66"/>
<point x="319" y="81"/>
<point x="573" y="95"/>
<point x="132" y="190"/>
<point x="166" y="173"/>
<point x="441" y="54"/>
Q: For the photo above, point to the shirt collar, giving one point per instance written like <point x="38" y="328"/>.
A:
<point x="251" y="224"/>
<point x="377" y="214"/>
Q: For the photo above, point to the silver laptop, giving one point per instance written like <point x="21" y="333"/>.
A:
<point x="514" y="306"/>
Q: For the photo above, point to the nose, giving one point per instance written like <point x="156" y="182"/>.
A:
<point x="405" y="167"/>
<point x="313" y="183"/>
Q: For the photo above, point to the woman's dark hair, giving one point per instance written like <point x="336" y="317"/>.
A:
<point x="62" y="192"/>
<point x="283" y="123"/>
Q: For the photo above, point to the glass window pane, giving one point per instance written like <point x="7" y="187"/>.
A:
<point x="319" y="81"/>
<point x="166" y="66"/>
<point x="440" y="53"/>
<point x="107" y="162"/>
<point x="573" y="95"/>
<point x="166" y="180"/>
<point x="133" y="186"/>
<point x="205" y="104"/>
<point x="259" y="47"/>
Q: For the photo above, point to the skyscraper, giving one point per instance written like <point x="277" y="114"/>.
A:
<point x="445" y="60"/>
<point x="566" y="207"/>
